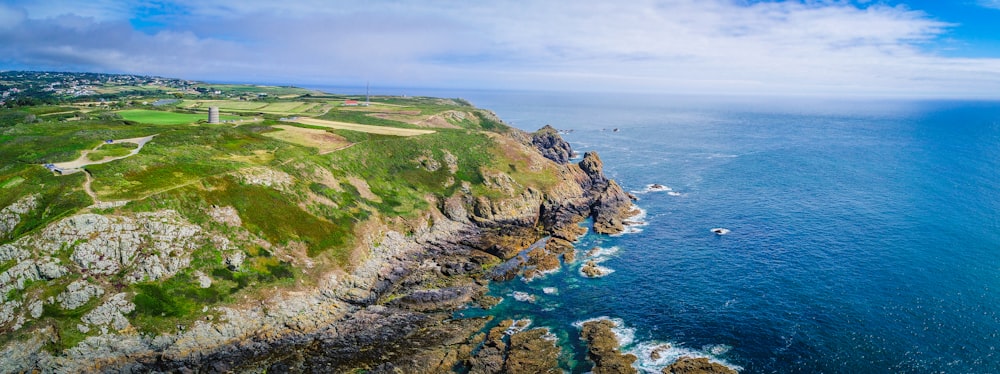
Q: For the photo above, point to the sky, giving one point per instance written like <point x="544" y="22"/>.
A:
<point x="864" y="48"/>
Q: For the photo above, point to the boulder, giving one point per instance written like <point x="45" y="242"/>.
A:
<point x="602" y="348"/>
<point x="551" y="145"/>
<point x="700" y="365"/>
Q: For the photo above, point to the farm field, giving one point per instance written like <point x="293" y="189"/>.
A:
<point x="322" y="140"/>
<point x="379" y="130"/>
<point x="281" y="107"/>
<point x="158" y="117"/>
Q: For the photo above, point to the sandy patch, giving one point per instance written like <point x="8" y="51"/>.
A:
<point x="381" y="130"/>
<point x="323" y="141"/>
<point x="363" y="189"/>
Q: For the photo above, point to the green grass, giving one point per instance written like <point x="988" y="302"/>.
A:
<point x="64" y="322"/>
<point x="183" y="155"/>
<point x="49" y="109"/>
<point x="111" y="150"/>
<point x="232" y="105"/>
<point x="159" y="306"/>
<point x="159" y="117"/>
<point x="190" y="168"/>
<point x="254" y="89"/>
<point x="57" y="197"/>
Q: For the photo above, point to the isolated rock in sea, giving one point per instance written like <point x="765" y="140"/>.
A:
<point x="658" y="187"/>
<point x="591" y="269"/>
<point x="720" y="231"/>
<point x="551" y="145"/>
<point x="701" y="365"/>
<point x="602" y="348"/>
<point x="657" y="352"/>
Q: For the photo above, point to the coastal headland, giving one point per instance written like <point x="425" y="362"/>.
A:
<point x="230" y="249"/>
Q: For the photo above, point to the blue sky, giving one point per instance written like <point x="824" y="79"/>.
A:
<point x="812" y="47"/>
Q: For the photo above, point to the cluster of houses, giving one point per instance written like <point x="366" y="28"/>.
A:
<point x="71" y="89"/>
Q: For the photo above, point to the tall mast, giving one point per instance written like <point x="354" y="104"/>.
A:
<point x="366" y="93"/>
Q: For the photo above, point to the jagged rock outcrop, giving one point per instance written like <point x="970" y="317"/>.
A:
<point x="611" y="205"/>
<point x="392" y="311"/>
<point x="551" y="145"/>
<point x="700" y="365"/>
<point x="509" y="348"/>
<point x="602" y="348"/>
<point x="263" y="176"/>
<point x="111" y="314"/>
<point x="78" y="293"/>
<point x="591" y="269"/>
<point x="155" y="245"/>
<point x="10" y="215"/>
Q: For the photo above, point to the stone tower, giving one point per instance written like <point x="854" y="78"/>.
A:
<point x="213" y="114"/>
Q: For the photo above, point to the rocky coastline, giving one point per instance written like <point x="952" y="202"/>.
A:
<point x="393" y="311"/>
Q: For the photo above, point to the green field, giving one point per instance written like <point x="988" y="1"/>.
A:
<point x="279" y="107"/>
<point x="158" y="117"/>
<point x="111" y="150"/>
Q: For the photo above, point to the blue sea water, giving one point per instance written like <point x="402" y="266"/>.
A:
<point x="865" y="235"/>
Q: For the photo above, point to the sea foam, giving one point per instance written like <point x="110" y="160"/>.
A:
<point x="654" y="355"/>
<point x="634" y="224"/>
<point x="624" y="335"/>
<point x="655" y="187"/>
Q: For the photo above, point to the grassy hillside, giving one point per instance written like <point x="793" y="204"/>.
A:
<point x="295" y="203"/>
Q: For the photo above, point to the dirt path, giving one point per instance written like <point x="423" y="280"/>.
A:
<point x="381" y="130"/>
<point x="81" y="162"/>
<point x="88" y="190"/>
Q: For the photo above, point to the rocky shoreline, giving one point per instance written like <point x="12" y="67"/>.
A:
<point x="393" y="311"/>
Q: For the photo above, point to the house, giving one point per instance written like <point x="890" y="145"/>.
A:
<point x="350" y="102"/>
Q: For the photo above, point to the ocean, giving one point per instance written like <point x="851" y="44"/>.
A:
<point x="864" y="235"/>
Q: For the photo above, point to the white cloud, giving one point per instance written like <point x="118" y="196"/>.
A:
<point x="995" y="4"/>
<point x="672" y="45"/>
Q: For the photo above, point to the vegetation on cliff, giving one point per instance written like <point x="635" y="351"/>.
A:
<point x="215" y="233"/>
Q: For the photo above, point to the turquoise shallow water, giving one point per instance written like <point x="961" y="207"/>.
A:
<point x="865" y="236"/>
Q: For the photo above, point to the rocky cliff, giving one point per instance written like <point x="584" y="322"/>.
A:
<point x="391" y="311"/>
